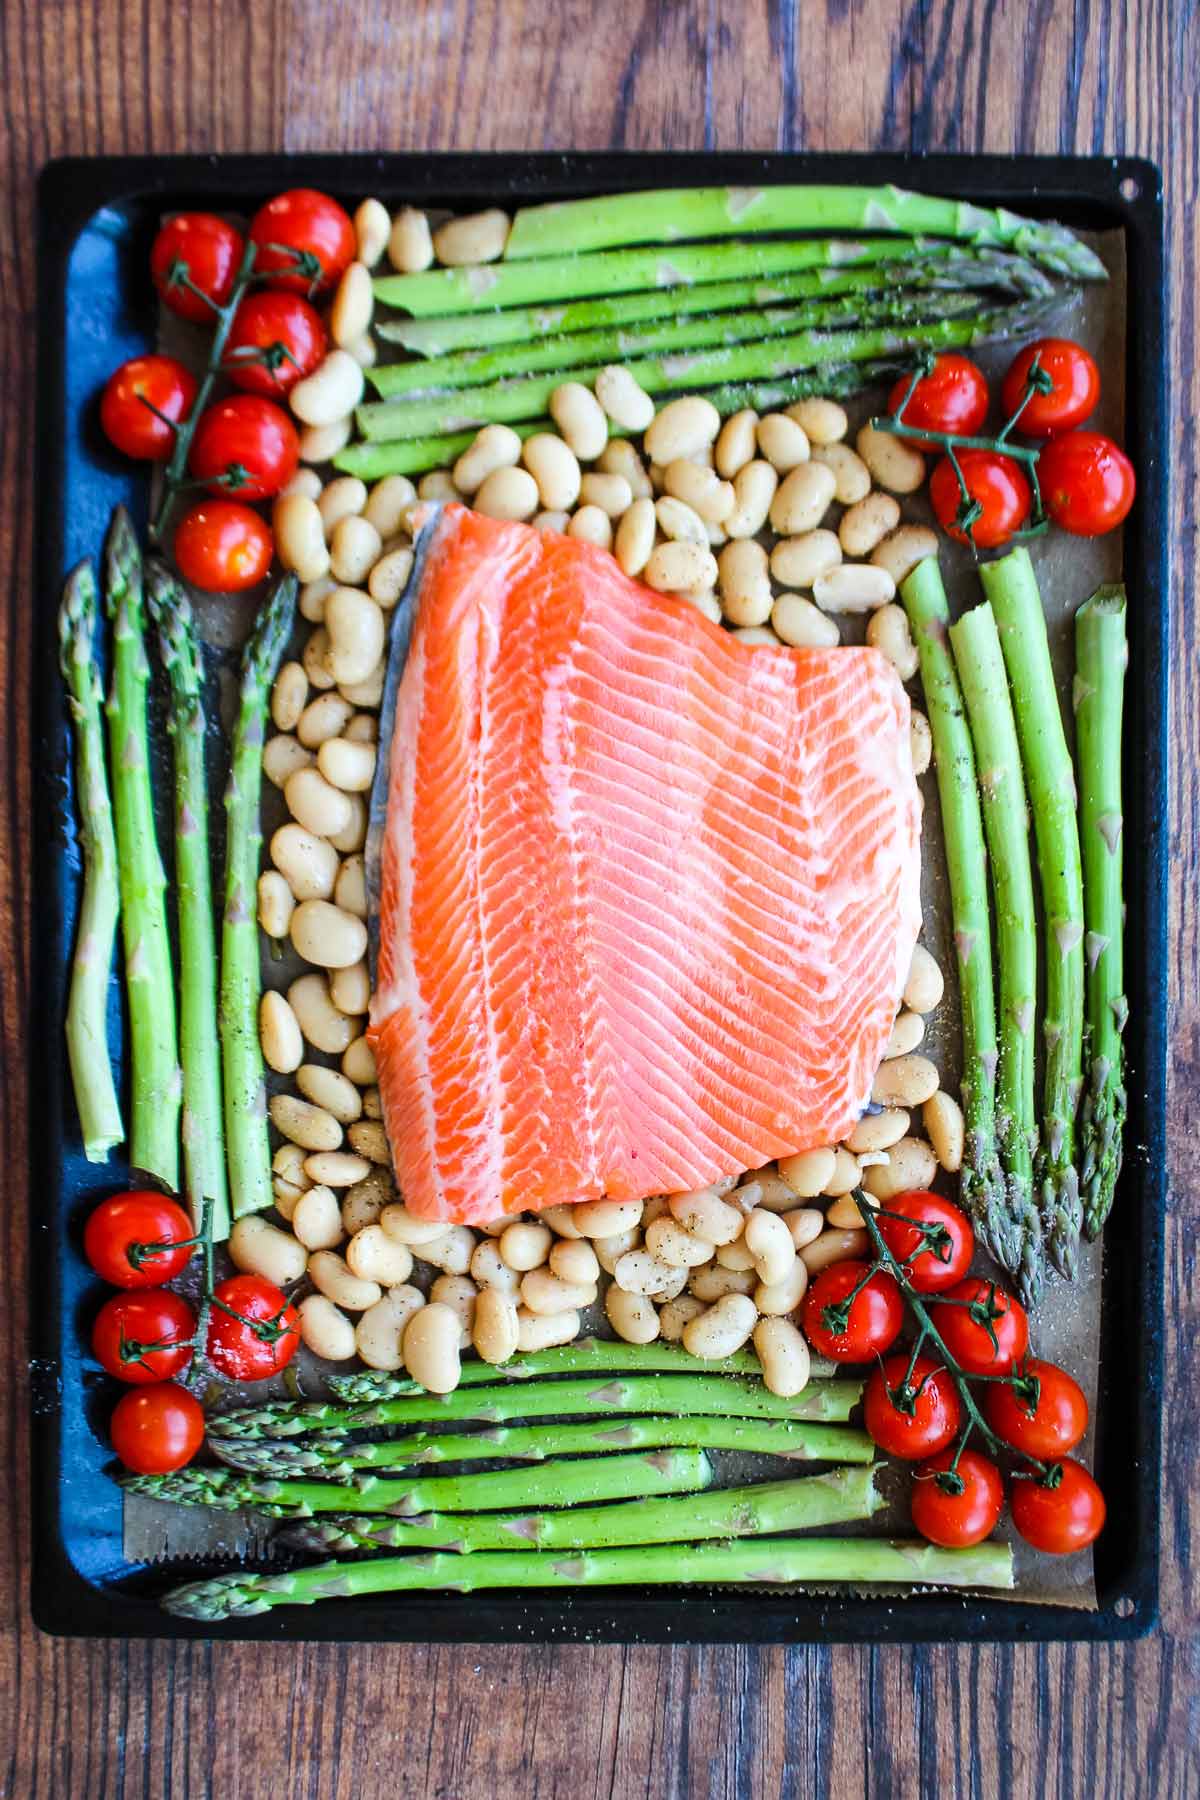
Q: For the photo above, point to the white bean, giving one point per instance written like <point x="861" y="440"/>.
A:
<point x="783" y="442"/>
<point x="379" y="1334"/>
<point x="721" y="1330"/>
<point x="364" y="693"/>
<point x="406" y="1228"/>
<point x="389" y="577"/>
<point x="489" y="1269"/>
<point x="611" y="493"/>
<point x="925" y="985"/>
<point x="879" y="1131"/>
<point x="358" y="1064"/>
<point x="745" y="582"/>
<point x="736" y="1256"/>
<point x="494" y="447"/>
<point x="288" y="695"/>
<point x="325" y="935"/>
<point x="288" y="1178"/>
<point x="799" y="623"/>
<point x="347" y="766"/>
<point x="867" y="523"/>
<point x="580" y="418"/>
<point x="304" y="481"/>
<point x="800" y="561"/>
<point x="682" y="428"/>
<point x="325" y="1329"/>
<point x="944" y="1122"/>
<point x="735" y="444"/>
<point x="551" y="521"/>
<point x="921" y="740"/>
<point x="317" y="1220"/>
<point x="350" y="989"/>
<point x="331" y="392"/>
<point x="703" y="601"/>
<point x="632" y="1316"/>
<point x="302" y="1123"/>
<point x="824" y="420"/>
<point x="802" y="499"/>
<point x="635" y="537"/>
<point x="710" y="498"/>
<point x="307" y="863"/>
<point x="888" y="632"/>
<point x="754" y="488"/>
<point x="610" y="1250"/>
<point x="604" y="1218"/>
<point x="680" y="522"/>
<point x="324" y="1027"/>
<point x="300" y="536"/>
<point x="364" y="1202"/>
<point x="259" y="1248"/>
<point x="356" y="634"/>
<point x="620" y="457"/>
<point x="507" y="494"/>
<point x="321" y="443"/>
<point x="323" y="718"/>
<point x="834" y="1246"/>
<point x="555" y="468"/>
<point x="353" y="834"/>
<point x="774" y="1298"/>
<point x="770" y="1244"/>
<point x="676" y="1314"/>
<point x="807" y="1172"/>
<point x="852" y="478"/>
<point x="354" y="549"/>
<point x="525" y="1246"/>
<point x="372" y="1103"/>
<point x="905" y="1081"/>
<point x="805" y="1224"/>
<point x="475" y="238"/>
<point x="353" y="306"/>
<point x="336" y="1168"/>
<point x="626" y="403"/>
<point x="670" y="1243"/>
<point x="900" y="553"/>
<point x="350" y="890"/>
<point x="314" y="804"/>
<point x="388" y="503"/>
<point x="372" y="228"/>
<point x="544" y="1292"/>
<point x="331" y="1090"/>
<point x="333" y="1276"/>
<point x="641" y="1272"/>
<point x="907" y="1033"/>
<point x="410" y="243"/>
<point x="540" y="1332"/>
<point x="784" y="1355"/>
<point x="715" y="1281"/>
<point x="279" y="1034"/>
<point x="374" y="1256"/>
<point x="853" y="588"/>
<point x="312" y="598"/>
<point x="438" y="484"/>
<point x="674" y="568"/>
<point x="494" y="1330"/>
<point x="845" y="1175"/>
<point x="593" y="525"/>
<point x="575" y="1260"/>
<point x="451" y="1252"/>
<point x="894" y="464"/>
<point x="911" y="1164"/>
<point x="706" y="1216"/>
<point x="275" y="904"/>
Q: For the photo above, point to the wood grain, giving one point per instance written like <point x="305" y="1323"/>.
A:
<point x="97" y="1720"/>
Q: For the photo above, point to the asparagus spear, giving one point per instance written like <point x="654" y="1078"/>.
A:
<point x="585" y="1479"/>
<point x="762" y="359"/>
<point x="149" y="977"/>
<point x="87" y="1009"/>
<point x="942" y="266"/>
<point x="976" y="646"/>
<point x="339" y="1457"/>
<point x="713" y="1394"/>
<point x="203" y="1135"/>
<point x="560" y="353"/>
<point x="983" y="1187"/>
<point x="481" y="289"/>
<point x="762" y="1561"/>
<point x="1011" y="586"/>
<point x="413" y="456"/>
<point x="1101" y="655"/>
<point x="587" y="1353"/>
<point x="241" y="1058"/>
<point x="830" y="1499"/>
<point x="666" y="215"/>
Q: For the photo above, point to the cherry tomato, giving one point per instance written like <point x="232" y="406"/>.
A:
<point x="941" y="1263"/>
<point x="1072" y="397"/>
<point x="914" y="1419"/>
<point x="852" y="1330"/>
<point x="1065" y="1512"/>
<point x="222" y="546"/>
<point x="987" y="1336"/>
<point x="953" y="399"/>
<point x="195" y="250"/>
<point x="303" y="220"/>
<point x="958" y="1509"/>
<point x="144" y="1336"/>
<point x="997" y="483"/>
<point x="274" y="341"/>
<point x="251" y="1352"/>
<point x="1045" y="1422"/>
<point x="1087" y="482"/>
<point x="135" y="395"/>
<point x="245" y="446"/>
<point x="128" y="1239"/>
<point x="157" y="1429"/>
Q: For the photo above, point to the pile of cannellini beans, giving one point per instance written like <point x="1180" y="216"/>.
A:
<point x="730" y="517"/>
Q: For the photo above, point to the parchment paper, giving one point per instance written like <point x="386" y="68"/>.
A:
<point x="1067" y="1322"/>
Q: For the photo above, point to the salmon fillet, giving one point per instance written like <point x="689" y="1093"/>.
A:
<point x="648" y="894"/>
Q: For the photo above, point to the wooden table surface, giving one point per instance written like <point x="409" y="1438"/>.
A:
<point x="85" y="1721"/>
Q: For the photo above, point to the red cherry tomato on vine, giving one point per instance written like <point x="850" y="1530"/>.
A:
<point x="246" y="447"/>
<point x="144" y="1336"/>
<point x="1072" y="397"/>
<point x="1087" y="483"/>
<point x="134" y="397"/>
<point x="222" y="546"/>
<point x="128" y="1238"/>
<point x="252" y="1351"/>
<point x="311" y="223"/>
<point x="866" y="1326"/>
<point x="967" y="1516"/>
<point x="999" y="486"/>
<point x="987" y="1336"/>
<point x="195" y="250"/>
<point x="157" y="1429"/>
<point x="953" y="399"/>
<point x="936" y="1266"/>
<point x="275" y="340"/>
<point x="1046" y="1423"/>
<point x="1068" y="1515"/>
<point x="912" y="1419"/>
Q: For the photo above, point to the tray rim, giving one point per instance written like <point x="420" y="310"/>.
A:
<point x="70" y="191"/>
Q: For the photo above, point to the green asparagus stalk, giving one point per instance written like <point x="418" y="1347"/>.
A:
<point x="87" y="1009"/>
<point x="1011" y="586"/>
<point x="762" y="1561"/>
<point x="242" y="1065"/>
<point x="200" y="1051"/>
<point x="717" y="1395"/>
<point x="983" y="1187"/>
<point x="339" y="1458"/>
<point x="609" y="1354"/>
<point x="763" y="359"/>
<point x="581" y="1481"/>
<point x="149" y="977"/>
<point x="666" y="215"/>
<point x="976" y="645"/>
<point x="437" y="292"/>
<point x="413" y="456"/>
<point x="831" y="1499"/>
<point x="560" y="353"/>
<point x="1101" y="655"/>
<point x="944" y="266"/>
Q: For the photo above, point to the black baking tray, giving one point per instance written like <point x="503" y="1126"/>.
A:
<point x="95" y="220"/>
